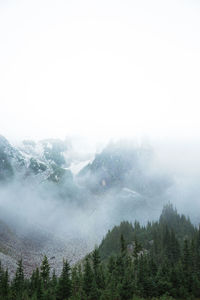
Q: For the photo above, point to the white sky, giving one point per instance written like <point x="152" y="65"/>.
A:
<point x="99" y="68"/>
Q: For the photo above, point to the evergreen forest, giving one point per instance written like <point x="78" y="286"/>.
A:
<point x="159" y="260"/>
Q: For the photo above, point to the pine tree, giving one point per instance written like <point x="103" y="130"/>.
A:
<point x="122" y="243"/>
<point x="87" y="278"/>
<point x="18" y="282"/>
<point x="40" y="289"/>
<point x="137" y="248"/>
<point x="186" y="262"/>
<point x="64" y="283"/>
<point x="76" y="283"/>
<point x="95" y="260"/>
<point x="34" y="281"/>
<point x="98" y="271"/>
<point x="95" y="292"/>
<point x="126" y="287"/>
<point x="4" y="284"/>
<point x="53" y="283"/>
<point x="45" y="271"/>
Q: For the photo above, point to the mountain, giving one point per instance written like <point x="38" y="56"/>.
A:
<point x="56" y="203"/>
<point x="8" y="156"/>
<point x="44" y="159"/>
<point x="36" y="187"/>
<point x="124" y="174"/>
<point x="52" y="198"/>
<point x="44" y="166"/>
<point x="122" y="165"/>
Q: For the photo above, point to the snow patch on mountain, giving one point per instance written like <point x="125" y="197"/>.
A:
<point x="77" y="166"/>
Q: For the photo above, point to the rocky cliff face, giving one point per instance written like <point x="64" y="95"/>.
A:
<point x="126" y="171"/>
<point x="45" y="159"/>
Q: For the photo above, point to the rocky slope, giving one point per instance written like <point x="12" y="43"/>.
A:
<point x="36" y="243"/>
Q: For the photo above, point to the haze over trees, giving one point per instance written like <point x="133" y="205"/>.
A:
<point x="156" y="261"/>
<point x="56" y="204"/>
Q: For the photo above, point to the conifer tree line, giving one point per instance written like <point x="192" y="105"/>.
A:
<point x="158" y="261"/>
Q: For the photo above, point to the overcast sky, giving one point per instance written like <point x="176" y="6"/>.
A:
<point x="99" y="68"/>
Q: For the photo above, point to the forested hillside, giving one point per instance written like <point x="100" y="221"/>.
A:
<point x="151" y="235"/>
<point x="158" y="261"/>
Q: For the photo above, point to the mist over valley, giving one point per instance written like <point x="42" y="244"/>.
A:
<point x="60" y="202"/>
